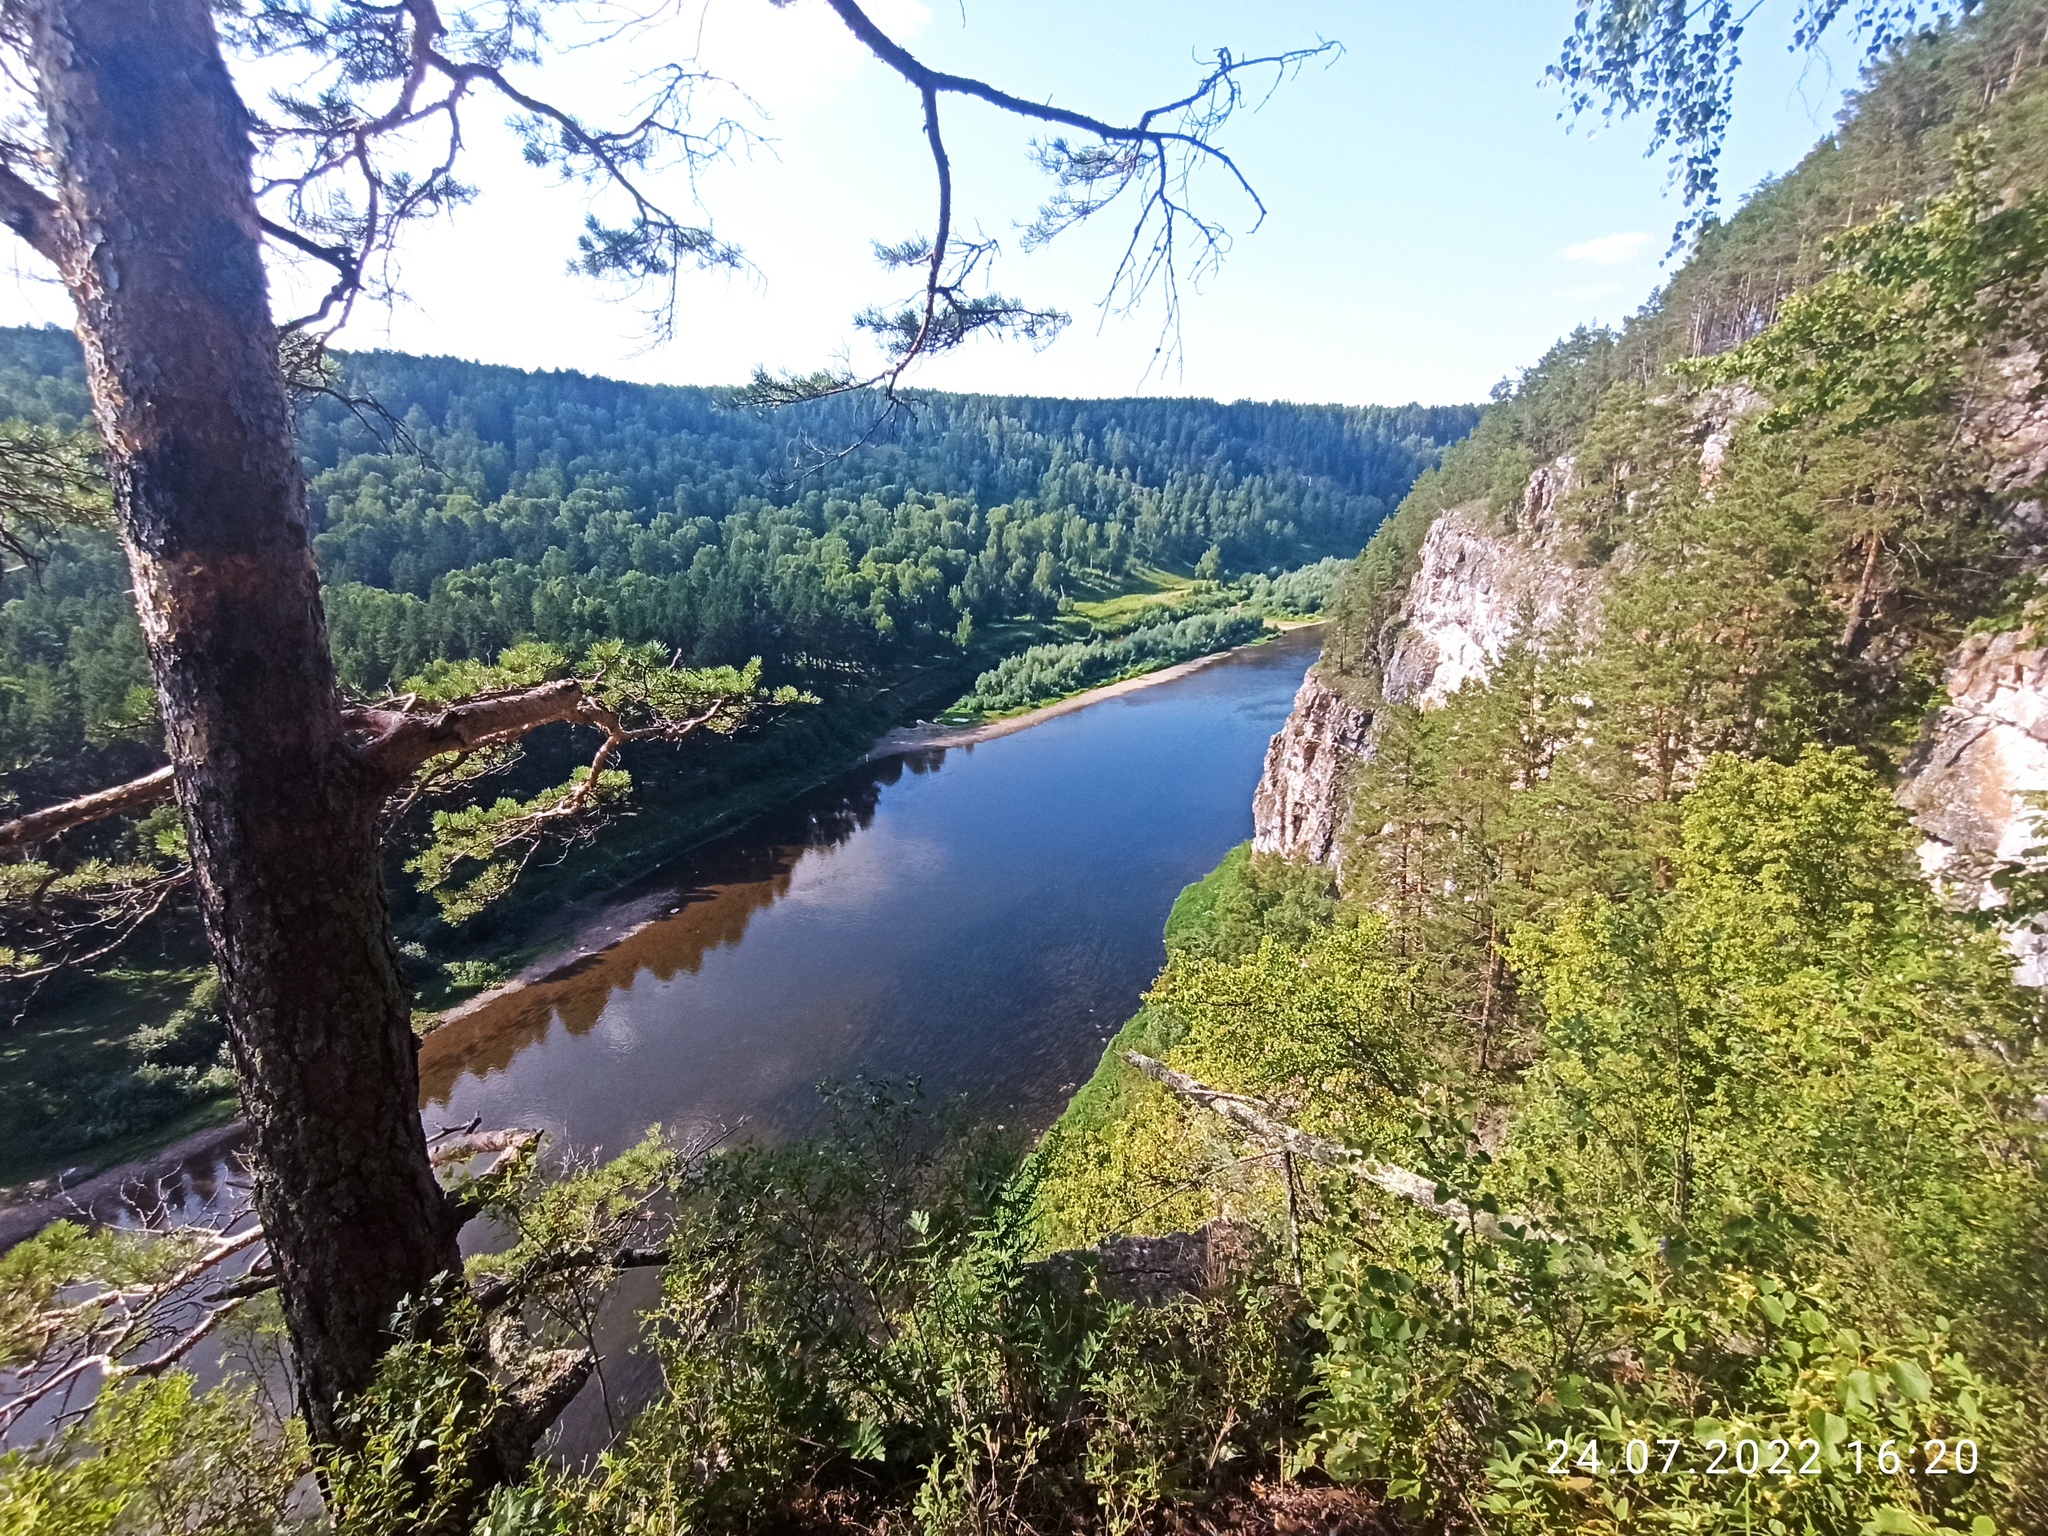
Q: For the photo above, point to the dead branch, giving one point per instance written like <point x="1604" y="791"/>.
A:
<point x="1140" y="155"/>
<point x="125" y="928"/>
<point x="122" y="800"/>
<point x="104" y="1331"/>
<point x="399" y="741"/>
<point x="507" y="1144"/>
<point x="1256" y="1118"/>
<point x="156" y="1365"/>
<point x="1153" y="157"/>
<point x="494" y="1291"/>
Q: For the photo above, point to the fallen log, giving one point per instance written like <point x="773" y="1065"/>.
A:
<point x="1256" y="1119"/>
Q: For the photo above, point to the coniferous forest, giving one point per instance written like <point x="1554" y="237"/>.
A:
<point x="462" y="511"/>
<point x="1625" y="1116"/>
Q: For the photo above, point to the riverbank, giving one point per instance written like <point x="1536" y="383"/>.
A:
<point x="908" y="739"/>
<point x="628" y="928"/>
<point x="135" y="1181"/>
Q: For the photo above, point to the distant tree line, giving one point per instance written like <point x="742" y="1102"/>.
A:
<point x="1053" y="671"/>
<point x="496" y="506"/>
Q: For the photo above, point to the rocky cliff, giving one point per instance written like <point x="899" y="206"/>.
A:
<point x="1971" y="787"/>
<point x="1298" y="807"/>
<point x="1474" y="590"/>
<point x="1972" y="783"/>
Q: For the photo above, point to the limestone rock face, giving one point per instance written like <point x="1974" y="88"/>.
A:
<point x="1969" y="782"/>
<point x="2010" y="422"/>
<point x="1299" y="805"/>
<point x="1475" y="590"/>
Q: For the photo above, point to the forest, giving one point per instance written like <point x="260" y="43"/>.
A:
<point x="463" y="511"/>
<point x="1727" y="1118"/>
<point x="1622" y="1134"/>
<point x="477" y="507"/>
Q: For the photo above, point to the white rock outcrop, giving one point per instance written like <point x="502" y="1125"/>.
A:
<point x="1972" y="782"/>
<point x="1475" y="590"/>
<point x="1297" y="809"/>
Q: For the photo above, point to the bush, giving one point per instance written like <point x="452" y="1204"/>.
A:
<point x="1053" y="671"/>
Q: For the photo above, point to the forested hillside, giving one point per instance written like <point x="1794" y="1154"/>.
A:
<point x="1634" y="1126"/>
<point x="495" y="506"/>
<point x="462" y="513"/>
<point x="1730" y="1211"/>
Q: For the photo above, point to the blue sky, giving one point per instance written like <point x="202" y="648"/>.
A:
<point x="1432" y="224"/>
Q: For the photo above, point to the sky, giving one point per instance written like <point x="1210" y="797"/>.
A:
<point x="1432" y="225"/>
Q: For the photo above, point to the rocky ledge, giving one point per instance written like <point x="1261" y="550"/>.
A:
<point x="1974" y="780"/>
<point x="1298" y="807"/>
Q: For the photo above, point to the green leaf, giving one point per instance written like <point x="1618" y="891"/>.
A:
<point x="1911" y="1380"/>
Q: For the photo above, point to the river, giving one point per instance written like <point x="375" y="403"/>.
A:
<point x="980" y="918"/>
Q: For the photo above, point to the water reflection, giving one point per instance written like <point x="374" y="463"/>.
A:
<point x="981" y="917"/>
<point x="723" y="888"/>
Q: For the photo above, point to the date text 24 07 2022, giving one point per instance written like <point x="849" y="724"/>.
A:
<point x="1719" y="1457"/>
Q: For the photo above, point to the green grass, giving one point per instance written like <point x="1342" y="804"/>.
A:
<point x="56" y="1061"/>
<point x="1194" y="909"/>
<point x="1145" y="587"/>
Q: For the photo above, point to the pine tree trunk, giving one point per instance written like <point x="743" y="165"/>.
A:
<point x="152" y="156"/>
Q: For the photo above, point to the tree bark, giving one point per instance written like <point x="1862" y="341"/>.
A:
<point x="161" y="253"/>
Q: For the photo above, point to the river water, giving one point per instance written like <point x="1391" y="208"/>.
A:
<point x="981" y="918"/>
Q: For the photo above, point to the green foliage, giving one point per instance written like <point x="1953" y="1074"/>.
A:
<point x="423" y="1433"/>
<point x="1052" y="671"/>
<point x="1323" y="1030"/>
<point x="581" y="1208"/>
<point x="482" y="834"/>
<point x="119" y="1056"/>
<point x="1295" y="594"/>
<point x="1247" y="898"/>
<point x="574" y="510"/>
<point x="155" y="1458"/>
<point x="848" y="1325"/>
<point x="1759" y="1104"/>
<point x="1458" y="1396"/>
<point x="1676" y="65"/>
<point x="1791" y="1004"/>
<point x="35" y="1271"/>
<point x="632" y="692"/>
<point x="1892" y="332"/>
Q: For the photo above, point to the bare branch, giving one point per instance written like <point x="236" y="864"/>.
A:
<point x="125" y="926"/>
<point x="122" y="800"/>
<point x="506" y="1144"/>
<point x="400" y="740"/>
<point x="156" y="1365"/>
<point x="1156" y="155"/>
<point x="1256" y="1119"/>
